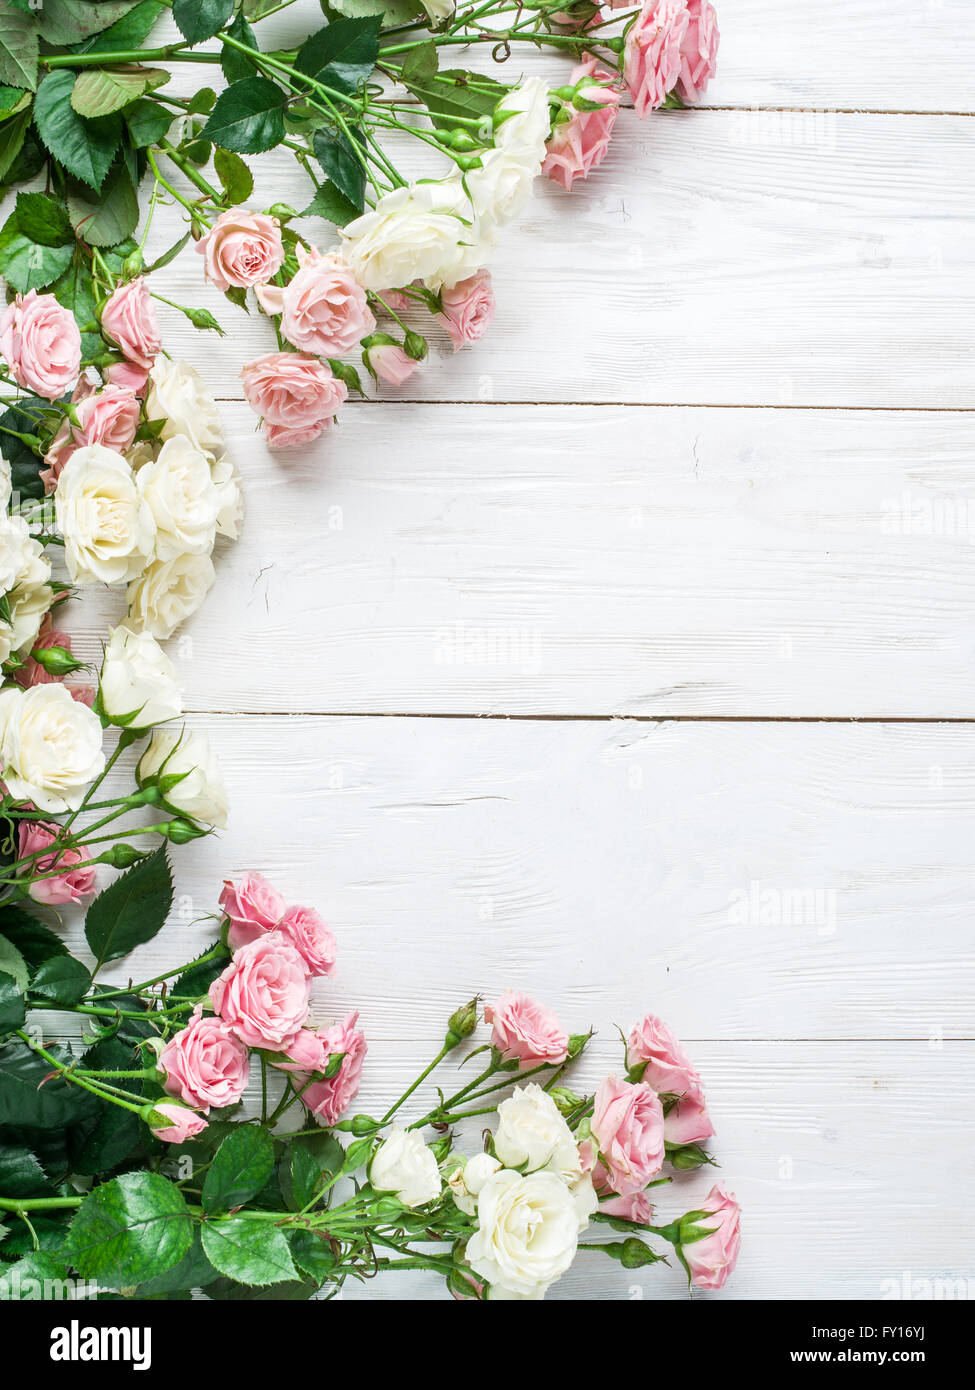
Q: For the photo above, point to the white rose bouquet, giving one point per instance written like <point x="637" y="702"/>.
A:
<point x="293" y="1190"/>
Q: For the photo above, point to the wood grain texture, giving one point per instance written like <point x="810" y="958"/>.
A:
<point x="594" y="561"/>
<point x="746" y="881"/>
<point x="717" y="257"/>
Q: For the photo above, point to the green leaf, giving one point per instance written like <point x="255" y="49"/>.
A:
<point x="421" y="63"/>
<point x="64" y="22"/>
<point x="392" y="11"/>
<point x="30" y="1098"/>
<point x="131" y="911"/>
<point x="18" y="48"/>
<point x="110" y="1141"/>
<point x="201" y="19"/>
<point x="129" y="1230"/>
<point x="33" y="1276"/>
<point x="337" y="156"/>
<point x="240" y="1168"/>
<point x="36" y="943"/>
<point x="43" y="219"/>
<point x="25" y="263"/>
<point x="29" y="159"/>
<point x="313" y="1255"/>
<point x="50" y="1233"/>
<point x="13" y="1005"/>
<point x="21" y="1175"/>
<point x="100" y="92"/>
<point x="234" y="63"/>
<point x="111" y="217"/>
<point x="13" y="133"/>
<point x="235" y="177"/>
<point x="62" y="980"/>
<point x="329" y="203"/>
<point x="343" y="54"/>
<point x="147" y="121"/>
<point x="126" y="33"/>
<point x="12" y="963"/>
<point x="85" y="148"/>
<point x="194" y="1271"/>
<point x="301" y="1177"/>
<point x="248" y="117"/>
<point x="251" y="1252"/>
<point x="456" y="92"/>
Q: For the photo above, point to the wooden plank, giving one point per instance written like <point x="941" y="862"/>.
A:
<point x="566" y="560"/>
<point x="715" y="258"/>
<point x="747" y="880"/>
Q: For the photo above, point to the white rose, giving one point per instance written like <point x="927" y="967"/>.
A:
<point x="24" y="572"/>
<point x="179" y="397"/>
<point x="180" y="493"/>
<point x="28" y="608"/>
<point x="439" y="9"/>
<point x="403" y="1164"/>
<point x="500" y="189"/>
<point x="567" y="1165"/>
<point x="138" y="679"/>
<point x="230" y="498"/>
<point x="50" y="746"/>
<point x="531" y="1130"/>
<point x="107" y="528"/>
<point x="413" y="233"/>
<point x="525" y="131"/>
<point x="200" y="794"/>
<point x="478" y="1170"/>
<point x="461" y="1193"/>
<point x="169" y="591"/>
<point x="6" y="484"/>
<point x="527" y="1233"/>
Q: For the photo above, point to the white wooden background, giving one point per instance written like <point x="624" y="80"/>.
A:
<point x="661" y="597"/>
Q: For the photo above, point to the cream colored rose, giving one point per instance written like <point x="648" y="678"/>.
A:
<point x="525" y="131"/>
<point x="24" y="574"/>
<point x="50" y="746"/>
<point x="439" y="9"/>
<point x="138" y="679"/>
<point x="413" y="233"/>
<point x="200" y="793"/>
<point x="532" y="1131"/>
<point x="500" y="189"/>
<point x="463" y="1197"/>
<point x="527" y="1233"/>
<point x="167" y="592"/>
<point x="230" y="498"/>
<point x="477" y="1171"/>
<point x="6" y="485"/>
<point x="178" y="396"/>
<point x="107" y="528"/>
<point x="179" y="491"/>
<point x="405" y="1166"/>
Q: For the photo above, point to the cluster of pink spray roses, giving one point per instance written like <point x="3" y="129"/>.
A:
<point x="636" y="1123"/>
<point x="260" y="1002"/>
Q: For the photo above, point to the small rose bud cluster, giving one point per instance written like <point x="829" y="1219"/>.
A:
<point x="260" y="1003"/>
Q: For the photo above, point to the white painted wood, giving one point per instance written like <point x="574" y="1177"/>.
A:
<point x="716" y="257"/>
<point x="594" y="561"/>
<point x="746" y="880"/>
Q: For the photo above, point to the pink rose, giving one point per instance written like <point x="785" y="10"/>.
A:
<point x="468" y="308"/>
<point x="323" y="309"/>
<point x="263" y="994"/>
<point x="635" y="1206"/>
<point x="628" y="1125"/>
<point x="109" y="417"/>
<point x="253" y="907"/>
<point x="328" y="1100"/>
<point x="127" y="374"/>
<point x="129" y="319"/>
<point x="688" y="1122"/>
<point x="712" y="1259"/>
<point x="76" y="874"/>
<point x="42" y="344"/>
<point x="241" y="249"/>
<point x="698" y="51"/>
<point x="525" y="1031"/>
<point x="307" y="1053"/>
<point x="389" y="363"/>
<point x="652" y="53"/>
<point x="174" y="1123"/>
<point x="205" y="1064"/>
<point x="292" y="390"/>
<point x="578" y="145"/>
<point x="311" y="938"/>
<point x="280" y="437"/>
<point x="666" y="1066"/>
